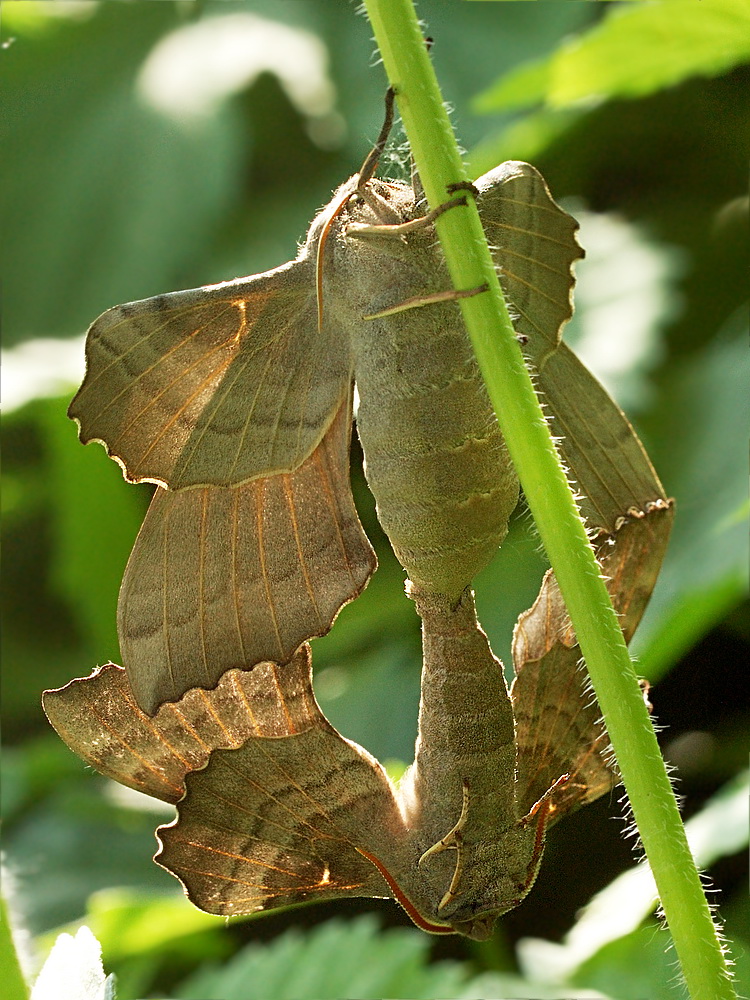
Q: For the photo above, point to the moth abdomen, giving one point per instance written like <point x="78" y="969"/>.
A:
<point x="435" y="459"/>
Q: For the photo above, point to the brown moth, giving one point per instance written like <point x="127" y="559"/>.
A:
<point x="290" y="811"/>
<point x="241" y="383"/>
<point x="290" y="815"/>
<point x="99" y="718"/>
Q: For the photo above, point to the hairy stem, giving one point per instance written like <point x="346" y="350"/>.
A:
<point x="521" y="420"/>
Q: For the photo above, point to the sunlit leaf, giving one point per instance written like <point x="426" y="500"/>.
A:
<point x="74" y="971"/>
<point x="699" y="430"/>
<point x="637" y="49"/>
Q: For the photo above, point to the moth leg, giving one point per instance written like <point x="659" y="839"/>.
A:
<point x="452" y="841"/>
<point x="545" y="803"/>
<point x="463" y="186"/>
<point x="541" y="812"/>
<point x="401" y="228"/>
<point x="450" y="295"/>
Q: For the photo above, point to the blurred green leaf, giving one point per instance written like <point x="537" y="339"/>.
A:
<point x="359" y="961"/>
<point x="521" y="87"/>
<point x="644" y="964"/>
<point x="637" y="49"/>
<point x="72" y="843"/>
<point x="66" y="535"/>
<point x="130" y="924"/>
<point x="108" y="198"/>
<point x="525" y="138"/>
<point x="95" y="519"/>
<point x="698" y="431"/>
<point x="14" y="983"/>
<point x="510" y="584"/>
<point x="141" y="933"/>
<point x="111" y="180"/>
<point x="373" y="698"/>
<point x="492" y="984"/>
<point x="641" y="964"/>
<point x="32" y="772"/>
<point x="625" y="295"/>
<point x="337" y="959"/>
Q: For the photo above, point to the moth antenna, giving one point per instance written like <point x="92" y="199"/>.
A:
<point x="365" y="174"/>
<point x="371" y="161"/>
<point x="336" y="210"/>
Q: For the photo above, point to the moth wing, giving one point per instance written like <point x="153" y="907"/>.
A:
<point x="99" y="719"/>
<point x="229" y="577"/>
<point x="216" y="385"/>
<point x="559" y="729"/>
<point x="607" y="463"/>
<point x="535" y="247"/>
<point x="560" y="732"/>
<point x="280" y="821"/>
<point x="533" y="243"/>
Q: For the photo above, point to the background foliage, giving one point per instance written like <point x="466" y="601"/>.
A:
<point x="160" y="146"/>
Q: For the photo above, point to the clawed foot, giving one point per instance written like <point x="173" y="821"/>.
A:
<point x="463" y="186"/>
<point x="452" y="841"/>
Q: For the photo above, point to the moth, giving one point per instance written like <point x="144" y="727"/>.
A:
<point x="276" y="808"/>
<point x="236" y="400"/>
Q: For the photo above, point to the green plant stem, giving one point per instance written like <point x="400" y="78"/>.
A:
<point x="14" y="985"/>
<point x="522" y="422"/>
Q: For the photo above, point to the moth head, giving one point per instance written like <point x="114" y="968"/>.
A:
<point x="507" y="894"/>
<point x="479" y="928"/>
<point x="385" y="203"/>
<point x="336" y="207"/>
<point x="496" y="875"/>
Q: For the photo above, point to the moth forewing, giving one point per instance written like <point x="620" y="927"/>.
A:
<point x="533" y="243"/>
<point x="217" y="385"/>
